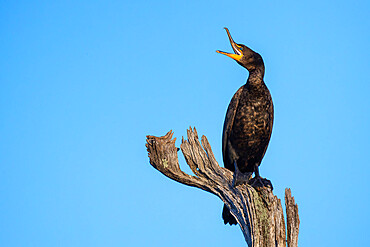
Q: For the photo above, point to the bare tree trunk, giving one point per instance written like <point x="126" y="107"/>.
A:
<point x="258" y="211"/>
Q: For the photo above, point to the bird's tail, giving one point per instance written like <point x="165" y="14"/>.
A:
<point x="228" y="217"/>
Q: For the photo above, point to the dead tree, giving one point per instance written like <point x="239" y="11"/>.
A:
<point x="258" y="211"/>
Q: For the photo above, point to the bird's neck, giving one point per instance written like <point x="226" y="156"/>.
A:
<point x="256" y="77"/>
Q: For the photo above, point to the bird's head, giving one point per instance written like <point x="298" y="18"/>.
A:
<point x="244" y="56"/>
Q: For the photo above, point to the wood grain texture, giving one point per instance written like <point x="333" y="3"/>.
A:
<point x="292" y="218"/>
<point x="258" y="212"/>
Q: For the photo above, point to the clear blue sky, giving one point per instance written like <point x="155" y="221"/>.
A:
<point x="83" y="82"/>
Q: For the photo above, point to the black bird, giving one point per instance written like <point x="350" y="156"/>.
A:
<point x="248" y="123"/>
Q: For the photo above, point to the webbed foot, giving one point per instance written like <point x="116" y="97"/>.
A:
<point x="239" y="177"/>
<point x="259" y="182"/>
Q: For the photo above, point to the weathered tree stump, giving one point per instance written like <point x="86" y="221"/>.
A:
<point x="258" y="211"/>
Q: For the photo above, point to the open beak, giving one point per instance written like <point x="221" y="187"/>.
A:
<point x="238" y="53"/>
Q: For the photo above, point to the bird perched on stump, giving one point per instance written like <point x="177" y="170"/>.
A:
<point x="248" y="123"/>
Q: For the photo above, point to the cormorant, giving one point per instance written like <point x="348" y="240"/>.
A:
<point x="248" y="123"/>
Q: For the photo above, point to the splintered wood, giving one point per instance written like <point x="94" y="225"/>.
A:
<point x="258" y="211"/>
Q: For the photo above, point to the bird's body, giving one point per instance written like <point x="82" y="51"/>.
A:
<point x="248" y="123"/>
<point x="248" y="126"/>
